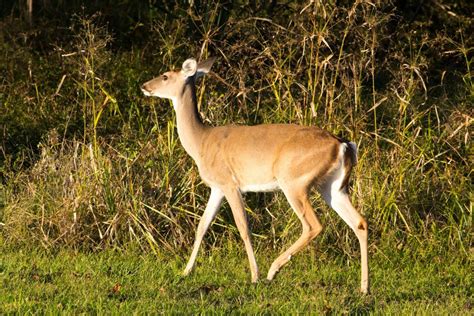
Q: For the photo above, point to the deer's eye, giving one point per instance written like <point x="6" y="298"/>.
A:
<point x="165" y="77"/>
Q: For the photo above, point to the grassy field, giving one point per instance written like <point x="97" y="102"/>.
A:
<point x="99" y="203"/>
<point x="130" y="281"/>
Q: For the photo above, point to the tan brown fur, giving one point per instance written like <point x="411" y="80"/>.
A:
<point x="235" y="159"/>
<point x="270" y="153"/>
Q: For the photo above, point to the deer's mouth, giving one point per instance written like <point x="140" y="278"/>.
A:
<point x="146" y="91"/>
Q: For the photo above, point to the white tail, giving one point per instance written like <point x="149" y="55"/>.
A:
<point x="236" y="159"/>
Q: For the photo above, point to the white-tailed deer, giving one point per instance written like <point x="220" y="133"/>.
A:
<point x="236" y="159"/>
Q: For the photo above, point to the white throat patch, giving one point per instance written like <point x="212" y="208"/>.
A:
<point x="174" y="100"/>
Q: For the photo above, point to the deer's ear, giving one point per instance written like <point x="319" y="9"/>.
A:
<point x="204" y="66"/>
<point x="189" y="67"/>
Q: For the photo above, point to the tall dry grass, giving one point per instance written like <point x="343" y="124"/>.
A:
<point x="112" y="170"/>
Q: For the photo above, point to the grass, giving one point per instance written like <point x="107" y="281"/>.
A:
<point x="87" y="164"/>
<point x="130" y="281"/>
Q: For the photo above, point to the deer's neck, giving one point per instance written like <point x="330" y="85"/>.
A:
<point x="190" y="127"/>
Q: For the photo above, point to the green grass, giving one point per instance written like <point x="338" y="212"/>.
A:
<point x="126" y="281"/>
<point x="87" y="162"/>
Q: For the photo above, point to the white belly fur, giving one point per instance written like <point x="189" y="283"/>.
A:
<point x="265" y="187"/>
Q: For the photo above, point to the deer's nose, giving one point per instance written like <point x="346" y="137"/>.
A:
<point x="146" y="90"/>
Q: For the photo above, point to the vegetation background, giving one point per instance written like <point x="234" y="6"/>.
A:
<point x="88" y="165"/>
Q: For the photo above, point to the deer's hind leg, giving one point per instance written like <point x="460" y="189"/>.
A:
<point x="298" y="198"/>
<point x="339" y="200"/>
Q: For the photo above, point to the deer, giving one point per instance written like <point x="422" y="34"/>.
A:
<point x="235" y="159"/>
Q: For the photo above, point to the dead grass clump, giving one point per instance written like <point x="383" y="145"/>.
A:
<point x="82" y="198"/>
<point x="116" y="172"/>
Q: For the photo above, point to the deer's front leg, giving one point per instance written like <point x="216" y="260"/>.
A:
<point x="234" y="197"/>
<point x="209" y="214"/>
